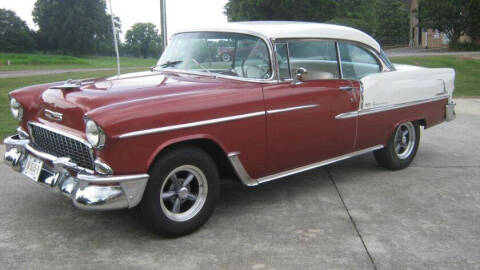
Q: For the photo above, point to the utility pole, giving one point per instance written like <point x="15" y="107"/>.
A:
<point x="114" y="29"/>
<point x="163" y="22"/>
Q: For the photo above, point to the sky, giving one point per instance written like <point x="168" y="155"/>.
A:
<point x="181" y="14"/>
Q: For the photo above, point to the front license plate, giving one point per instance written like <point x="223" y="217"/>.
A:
<point x="33" y="168"/>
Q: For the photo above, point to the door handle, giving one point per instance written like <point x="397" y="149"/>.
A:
<point x="346" y="88"/>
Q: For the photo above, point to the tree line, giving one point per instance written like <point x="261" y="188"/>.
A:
<point x="75" y="27"/>
<point x="386" y="20"/>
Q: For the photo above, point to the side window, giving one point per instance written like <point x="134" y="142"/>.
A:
<point x="318" y="57"/>
<point x="281" y="50"/>
<point x="357" y="62"/>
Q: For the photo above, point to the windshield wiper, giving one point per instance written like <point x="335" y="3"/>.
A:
<point x="170" y="63"/>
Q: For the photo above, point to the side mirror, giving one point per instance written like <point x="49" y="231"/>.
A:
<point x="299" y="76"/>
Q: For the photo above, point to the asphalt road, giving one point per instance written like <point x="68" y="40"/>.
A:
<point x="350" y="215"/>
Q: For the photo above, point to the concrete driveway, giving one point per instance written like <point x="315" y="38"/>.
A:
<point x="350" y="215"/>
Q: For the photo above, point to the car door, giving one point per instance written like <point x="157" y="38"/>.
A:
<point x="301" y="124"/>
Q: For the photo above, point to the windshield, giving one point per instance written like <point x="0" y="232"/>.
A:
<point x="229" y="54"/>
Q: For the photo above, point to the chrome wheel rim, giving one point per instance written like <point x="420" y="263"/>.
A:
<point x="183" y="193"/>
<point x="226" y="57"/>
<point x="404" y="140"/>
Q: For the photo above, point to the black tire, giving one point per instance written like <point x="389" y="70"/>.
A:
<point x="388" y="157"/>
<point x="156" y="214"/>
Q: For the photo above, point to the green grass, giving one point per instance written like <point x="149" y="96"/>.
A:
<point x="43" y="61"/>
<point x="467" y="69"/>
<point x="8" y="125"/>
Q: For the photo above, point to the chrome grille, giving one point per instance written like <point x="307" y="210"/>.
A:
<point x="61" y="146"/>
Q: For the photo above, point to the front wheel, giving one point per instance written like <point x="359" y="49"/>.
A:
<point x="401" y="148"/>
<point x="182" y="192"/>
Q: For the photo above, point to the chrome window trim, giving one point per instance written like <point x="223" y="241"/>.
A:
<point x="339" y="60"/>
<point x="273" y="78"/>
<point x="289" y="109"/>
<point x="279" y="78"/>
<point x="248" y="181"/>
<point x="190" y="125"/>
<point x="384" y="67"/>
<point x="388" y="107"/>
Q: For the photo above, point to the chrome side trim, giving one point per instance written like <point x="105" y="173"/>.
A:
<point x="388" y="107"/>
<point x="240" y="170"/>
<point x="288" y="109"/>
<point x="189" y="125"/>
<point x="248" y="181"/>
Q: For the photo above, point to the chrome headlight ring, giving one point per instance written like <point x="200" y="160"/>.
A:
<point x="94" y="133"/>
<point x="16" y="109"/>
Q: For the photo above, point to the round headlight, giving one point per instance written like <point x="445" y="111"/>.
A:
<point x="16" y="108"/>
<point x="95" y="135"/>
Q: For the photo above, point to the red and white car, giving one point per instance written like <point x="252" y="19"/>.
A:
<point x="305" y="95"/>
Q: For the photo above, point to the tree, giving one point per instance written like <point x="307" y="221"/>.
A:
<point x="71" y="26"/>
<point x="473" y="26"/>
<point x="452" y="17"/>
<point x="360" y="14"/>
<point x="355" y="13"/>
<point x="15" y="36"/>
<point x="289" y="10"/>
<point x="392" y="22"/>
<point x="143" y="40"/>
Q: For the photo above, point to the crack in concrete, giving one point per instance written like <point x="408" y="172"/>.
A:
<point x="351" y="219"/>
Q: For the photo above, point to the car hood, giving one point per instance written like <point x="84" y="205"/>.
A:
<point x="97" y="94"/>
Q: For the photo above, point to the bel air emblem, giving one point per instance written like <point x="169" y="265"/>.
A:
<point x="53" y="115"/>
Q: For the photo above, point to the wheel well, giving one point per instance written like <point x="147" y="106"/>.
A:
<point x="220" y="158"/>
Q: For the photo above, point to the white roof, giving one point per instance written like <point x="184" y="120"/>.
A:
<point x="288" y="29"/>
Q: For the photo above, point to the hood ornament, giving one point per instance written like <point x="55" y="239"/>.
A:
<point x="69" y="84"/>
<point x="56" y="116"/>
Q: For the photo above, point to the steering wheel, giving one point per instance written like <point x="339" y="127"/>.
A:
<point x="245" y="69"/>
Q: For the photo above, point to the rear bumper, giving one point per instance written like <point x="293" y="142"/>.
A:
<point x="87" y="191"/>
<point x="450" y="114"/>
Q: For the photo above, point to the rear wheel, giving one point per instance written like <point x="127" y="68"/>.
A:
<point x="182" y="192"/>
<point x="401" y="148"/>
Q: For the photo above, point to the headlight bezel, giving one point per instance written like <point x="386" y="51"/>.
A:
<point x="94" y="134"/>
<point x="16" y="108"/>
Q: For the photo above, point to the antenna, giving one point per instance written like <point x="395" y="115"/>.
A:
<point x="115" y="38"/>
<point x="163" y="22"/>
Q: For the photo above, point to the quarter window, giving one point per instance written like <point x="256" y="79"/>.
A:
<point x="319" y="57"/>
<point x="282" y="58"/>
<point x="357" y="62"/>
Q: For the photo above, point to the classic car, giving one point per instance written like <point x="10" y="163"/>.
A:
<point x="307" y="95"/>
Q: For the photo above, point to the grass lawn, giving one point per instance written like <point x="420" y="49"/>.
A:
<point x="467" y="69"/>
<point x="42" y="61"/>
<point x="8" y="125"/>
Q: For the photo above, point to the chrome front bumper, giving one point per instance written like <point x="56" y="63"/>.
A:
<point x="450" y="114"/>
<point x="87" y="191"/>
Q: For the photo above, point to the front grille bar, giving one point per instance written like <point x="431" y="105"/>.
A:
<point x="62" y="144"/>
